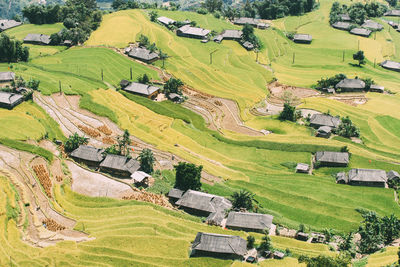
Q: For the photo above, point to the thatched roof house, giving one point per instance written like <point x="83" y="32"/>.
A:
<point x="6" y="24"/>
<point x="324" y="131"/>
<point x="192" y="32"/>
<point x="140" y="178"/>
<point x="175" y="194"/>
<point x="38" y="39"/>
<point x="143" y="54"/>
<point x="7" y="77"/>
<point x="10" y="100"/>
<point x="248" y="45"/>
<point x="345" y="17"/>
<point x="351" y="85"/>
<point x="372" y="25"/>
<point x="367" y="177"/>
<point x="89" y="155"/>
<point x="393" y="13"/>
<point x="119" y="165"/>
<point x="243" y="20"/>
<point x="302" y="168"/>
<point x="246" y="221"/>
<point x="341" y="178"/>
<point x="166" y="21"/>
<point x="217" y="245"/>
<point x="392" y="175"/>
<point x="377" y="88"/>
<point x="318" y="120"/>
<point x="141" y="89"/>
<point x="332" y="159"/>
<point x="302" y="38"/>
<point x="361" y="32"/>
<point x="391" y="65"/>
<point x="202" y="204"/>
<point x="341" y="25"/>
<point x="228" y="35"/>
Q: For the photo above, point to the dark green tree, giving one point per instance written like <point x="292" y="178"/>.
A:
<point x="33" y="84"/>
<point x="242" y="199"/>
<point x="288" y="113"/>
<point x="74" y="141"/>
<point x="146" y="159"/>
<point x="250" y="242"/>
<point x="213" y="5"/>
<point x="123" y="142"/>
<point x="390" y="228"/>
<point x="347" y="129"/>
<point x="188" y="176"/>
<point x="113" y="149"/>
<point x="325" y="261"/>
<point x="153" y="15"/>
<point x="143" y="79"/>
<point x="359" y="56"/>
<point x="266" y="244"/>
<point x="173" y="86"/>
<point x="143" y="40"/>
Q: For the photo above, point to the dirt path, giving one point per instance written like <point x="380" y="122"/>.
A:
<point x="17" y="167"/>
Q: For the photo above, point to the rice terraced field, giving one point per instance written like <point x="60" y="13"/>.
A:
<point x="134" y="233"/>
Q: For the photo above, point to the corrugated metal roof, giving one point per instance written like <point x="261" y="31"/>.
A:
<point x="165" y="20"/>
<point x="187" y="29"/>
<point x="325" y="120"/>
<point x="361" y="32"/>
<point x="143" y="54"/>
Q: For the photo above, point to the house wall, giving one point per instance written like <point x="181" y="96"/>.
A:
<point x="195" y="212"/>
<point x="245" y="229"/>
<point x="116" y="172"/>
<point x="200" y="253"/>
<point x="86" y="162"/>
<point x="181" y="34"/>
<point x="371" y="184"/>
<point x="34" y="42"/>
<point x="332" y="164"/>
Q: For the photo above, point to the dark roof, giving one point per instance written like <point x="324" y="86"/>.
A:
<point x="367" y="175"/>
<point x="218" y="38"/>
<point x="332" y="157"/>
<point x="324" y="129"/>
<point x="341" y="176"/>
<point x="143" y="54"/>
<point x="248" y="45"/>
<point x="361" y="32"/>
<point x="325" y="120"/>
<point x="341" y="25"/>
<point x="37" y="38"/>
<point x="244" y="20"/>
<point x="174" y="96"/>
<point x="187" y="29"/>
<point x="345" y="17"/>
<point x="216" y="218"/>
<point x="370" y="24"/>
<point x="302" y="37"/>
<point x="10" y="98"/>
<point x="389" y="64"/>
<point x="88" y="153"/>
<point x="120" y="163"/>
<point x="392" y="175"/>
<point x="7" y="76"/>
<point x="175" y="193"/>
<point x="216" y="243"/>
<point x="351" y="84"/>
<point x="124" y="83"/>
<point x="140" y="88"/>
<point x="6" y="24"/>
<point x="203" y="201"/>
<point x="165" y="20"/>
<point x="256" y="221"/>
<point x="394" y="13"/>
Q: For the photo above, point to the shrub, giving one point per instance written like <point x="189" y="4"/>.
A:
<point x="250" y="242"/>
<point x="74" y="141"/>
<point x="188" y="176"/>
<point x="242" y="200"/>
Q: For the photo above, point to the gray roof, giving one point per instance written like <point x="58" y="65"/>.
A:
<point x="233" y="34"/>
<point x="218" y="243"/>
<point x="256" y="221"/>
<point x="143" y="54"/>
<point x="244" y="20"/>
<point x="367" y="175"/>
<point x="248" y="45"/>
<point x="345" y="17"/>
<point x="394" y="13"/>
<point x="392" y="175"/>
<point x="10" y="98"/>
<point x="139" y="176"/>
<point x="341" y="176"/>
<point x="6" y="24"/>
<point x="361" y="32"/>
<point x="120" y="163"/>
<point x="218" y="38"/>
<point x="175" y="193"/>
<point x="140" y="88"/>
<point x="375" y="87"/>
<point x="351" y="84"/>
<point x="324" y="129"/>
<point x="88" y="153"/>
<point x="302" y="167"/>
<point x="325" y="120"/>
<point x="302" y="37"/>
<point x="165" y="20"/>
<point x="187" y="29"/>
<point x="216" y="218"/>
<point x="203" y="201"/>
<point x="389" y="64"/>
<point x="332" y="157"/>
<point x="7" y="76"/>
<point x="37" y="38"/>
<point x="174" y="95"/>
<point x="341" y="25"/>
<point x="370" y="24"/>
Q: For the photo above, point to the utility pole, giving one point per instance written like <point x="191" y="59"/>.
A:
<point x="294" y="56"/>
<point x="102" y="77"/>
<point x="343" y="56"/>
<point x="59" y="85"/>
<point x="374" y="62"/>
<point x="131" y="74"/>
<point x="375" y="36"/>
<point x="257" y="55"/>
<point x="212" y="54"/>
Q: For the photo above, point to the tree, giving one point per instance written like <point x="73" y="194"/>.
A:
<point x="74" y="141"/>
<point x="188" y="176"/>
<point x="163" y="57"/>
<point x="266" y="244"/>
<point x="370" y="231"/>
<point x="392" y="3"/>
<point x="242" y="199"/>
<point x="143" y="79"/>
<point x="325" y="261"/>
<point x="347" y="129"/>
<point x="288" y="113"/>
<point x="113" y="149"/>
<point x="146" y="159"/>
<point x="398" y="255"/>
<point x="347" y="244"/>
<point x="12" y="50"/>
<point x="213" y="5"/>
<point x="33" y="84"/>
<point x="359" y="56"/>
<point x="173" y="86"/>
<point x="123" y="142"/>
<point x="18" y="82"/>
<point x="390" y="229"/>
<point x="153" y="15"/>
<point x="143" y="40"/>
<point x="250" y="242"/>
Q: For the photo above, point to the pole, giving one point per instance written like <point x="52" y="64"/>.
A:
<point x="131" y="74"/>
<point x="343" y="56"/>
<point x="294" y="55"/>
<point x="375" y="36"/>
<point x="59" y="85"/>
<point x="210" y="58"/>
<point x="163" y="62"/>
<point x="102" y="77"/>
<point x="374" y="62"/>
<point x="257" y="55"/>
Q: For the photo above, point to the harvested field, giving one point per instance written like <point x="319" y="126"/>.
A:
<point x="95" y="184"/>
<point x="142" y="195"/>
<point x="53" y="225"/>
<point x="44" y="178"/>
<point x="279" y="91"/>
<point x="89" y="131"/>
<point x="105" y="130"/>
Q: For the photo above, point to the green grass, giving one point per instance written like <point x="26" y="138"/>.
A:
<point x="28" y="148"/>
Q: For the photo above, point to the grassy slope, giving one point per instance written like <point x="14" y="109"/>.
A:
<point x="127" y="233"/>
